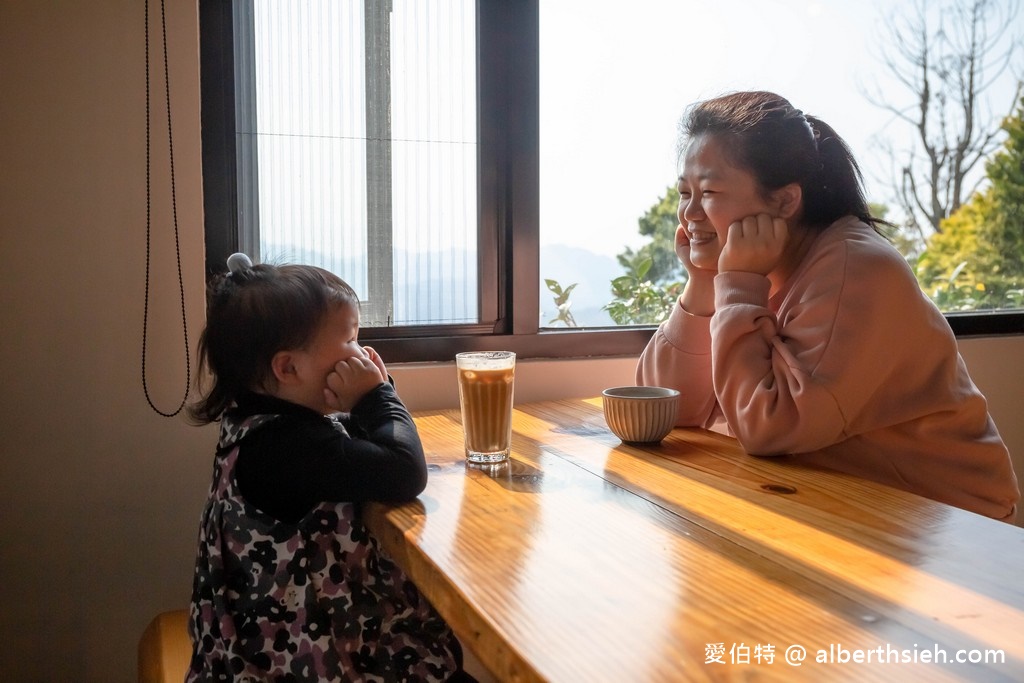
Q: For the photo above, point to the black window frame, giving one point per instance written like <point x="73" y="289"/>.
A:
<point x="508" y="77"/>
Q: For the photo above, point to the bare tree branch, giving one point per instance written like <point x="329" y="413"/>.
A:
<point x="947" y="59"/>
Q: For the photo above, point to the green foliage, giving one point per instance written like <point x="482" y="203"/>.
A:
<point x="562" y="303"/>
<point x="638" y="301"/>
<point x="977" y="261"/>
<point x="1004" y="229"/>
<point x="654" y="277"/>
<point x="659" y="224"/>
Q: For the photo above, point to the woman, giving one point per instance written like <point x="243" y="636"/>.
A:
<point x="801" y="328"/>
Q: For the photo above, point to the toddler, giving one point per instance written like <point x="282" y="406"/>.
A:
<point x="289" y="585"/>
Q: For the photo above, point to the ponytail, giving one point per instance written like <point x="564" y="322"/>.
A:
<point x="835" y="186"/>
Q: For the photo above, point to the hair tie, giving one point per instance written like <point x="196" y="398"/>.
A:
<point x="239" y="262"/>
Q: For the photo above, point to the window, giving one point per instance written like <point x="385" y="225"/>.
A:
<point x="356" y="148"/>
<point x="495" y="159"/>
<point x="614" y="82"/>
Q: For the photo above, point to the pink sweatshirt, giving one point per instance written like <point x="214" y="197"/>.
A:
<point x="850" y="365"/>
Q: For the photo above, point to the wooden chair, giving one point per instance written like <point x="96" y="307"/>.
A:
<point x="165" y="648"/>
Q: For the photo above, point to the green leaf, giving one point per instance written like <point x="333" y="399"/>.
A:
<point x="623" y="282"/>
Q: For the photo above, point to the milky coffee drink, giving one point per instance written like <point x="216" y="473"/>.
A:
<point x="486" y="382"/>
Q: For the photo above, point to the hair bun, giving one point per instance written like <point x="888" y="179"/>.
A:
<point x="239" y="262"/>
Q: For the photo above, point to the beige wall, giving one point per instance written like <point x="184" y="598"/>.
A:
<point x="99" y="496"/>
<point x="997" y="367"/>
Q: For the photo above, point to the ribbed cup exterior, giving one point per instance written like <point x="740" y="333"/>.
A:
<point x="641" y="419"/>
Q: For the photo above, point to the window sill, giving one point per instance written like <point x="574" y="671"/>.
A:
<point x="568" y="343"/>
<point x="435" y="344"/>
<point x="986" y="323"/>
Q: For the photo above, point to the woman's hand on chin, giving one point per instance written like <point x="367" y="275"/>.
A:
<point x="756" y="244"/>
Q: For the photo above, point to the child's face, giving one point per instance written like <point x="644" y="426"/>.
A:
<point x="336" y="340"/>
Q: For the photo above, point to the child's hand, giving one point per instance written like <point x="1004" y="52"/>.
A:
<point x="754" y="245"/>
<point x="352" y="379"/>
<point x="375" y="357"/>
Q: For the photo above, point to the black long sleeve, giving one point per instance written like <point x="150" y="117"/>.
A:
<point x="301" y="459"/>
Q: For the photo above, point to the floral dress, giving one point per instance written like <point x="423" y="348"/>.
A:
<point x="312" y="601"/>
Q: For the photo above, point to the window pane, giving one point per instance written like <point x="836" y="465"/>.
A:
<point x="357" y="146"/>
<point x="435" y="152"/>
<point x="615" y="79"/>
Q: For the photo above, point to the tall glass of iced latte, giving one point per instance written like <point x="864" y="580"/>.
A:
<point x="486" y="382"/>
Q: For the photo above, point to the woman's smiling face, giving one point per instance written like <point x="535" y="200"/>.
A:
<point x="713" y="194"/>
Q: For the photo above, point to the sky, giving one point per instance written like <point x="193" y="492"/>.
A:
<point x="614" y="84"/>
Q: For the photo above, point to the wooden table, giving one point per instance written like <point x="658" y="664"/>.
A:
<point x="587" y="560"/>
